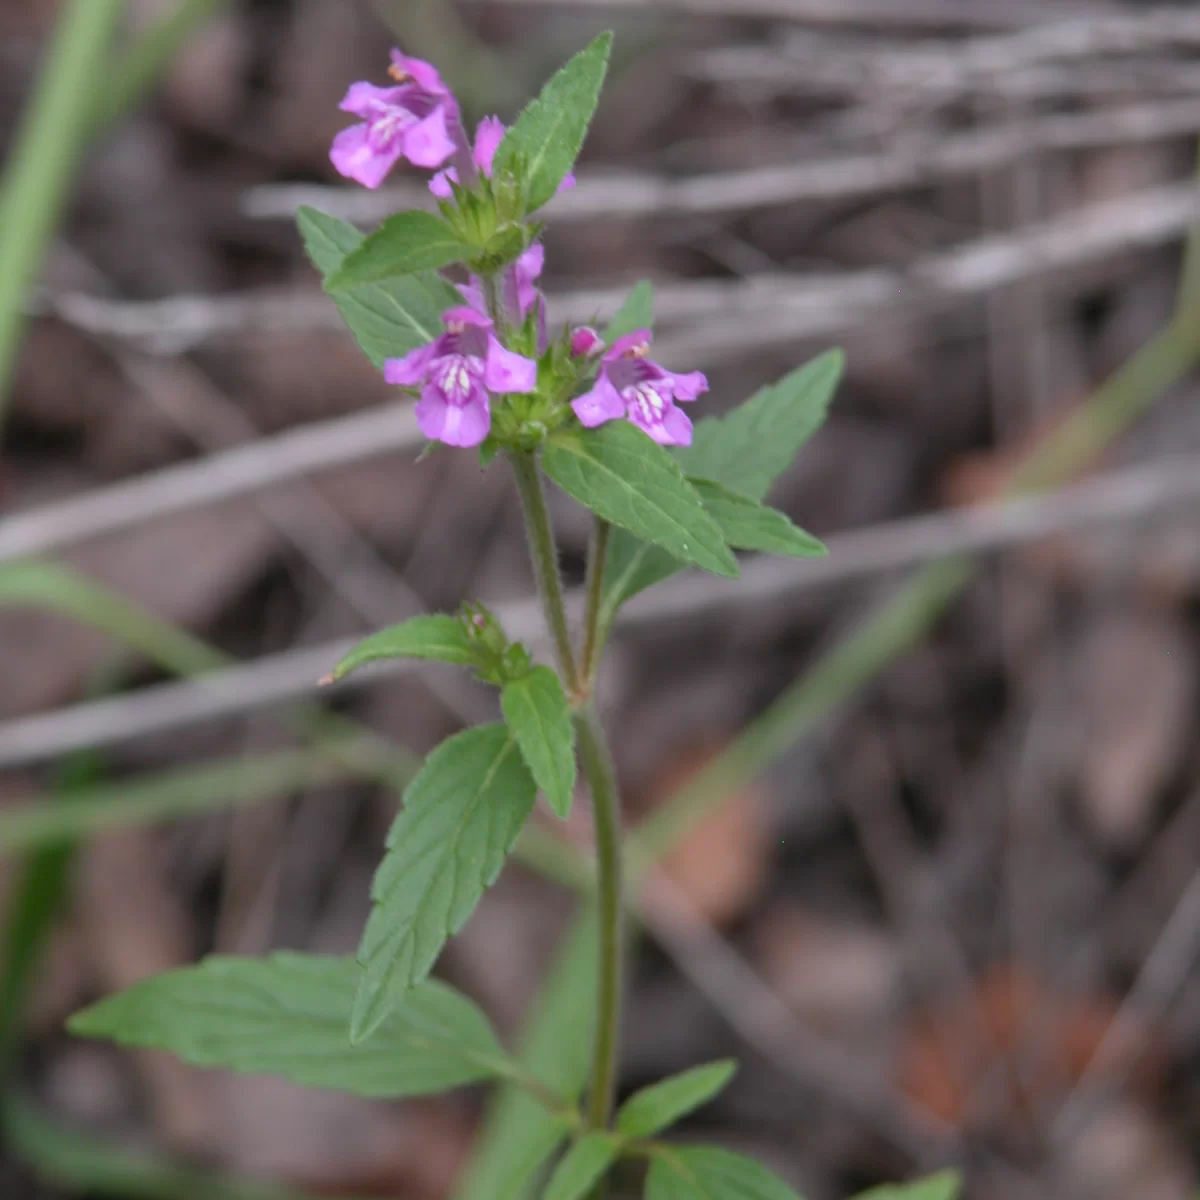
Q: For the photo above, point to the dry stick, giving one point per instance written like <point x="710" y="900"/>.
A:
<point x="952" y="67"/>
<point x="318" y="446"/>
<point x="1163" y="973"/>
<point x="756" y="1013"/>
<point x="725" y="319"/>
<point x="1158" y="489"/>
<point x="896" y="15"/>
<point x="845" y="177"/>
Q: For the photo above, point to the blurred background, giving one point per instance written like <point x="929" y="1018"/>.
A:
<point x="949" y="909"/>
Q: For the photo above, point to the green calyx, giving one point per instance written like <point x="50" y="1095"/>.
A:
<point x="495" y="659"/>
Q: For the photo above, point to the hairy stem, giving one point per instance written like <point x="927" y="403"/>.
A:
<point x="545" y="562"/>
<point x="596" y="761"/>
<point x="606" y="810"/>
<point x="592" y="634"/>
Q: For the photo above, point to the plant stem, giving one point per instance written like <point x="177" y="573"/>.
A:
<point x="545" y="562"/>
<point x="597" y="555"/>
<point x="598" y="770"/>
<point x="50" y="139"/>
<point x="606" y="813"/>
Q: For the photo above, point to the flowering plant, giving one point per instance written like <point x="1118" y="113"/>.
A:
<point x="595" y="413"/>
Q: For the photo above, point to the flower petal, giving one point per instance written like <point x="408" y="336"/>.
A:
<point x="428" y="143"/>
<point x="456" y="425"/>
<point x="689" y="386"/>
<point x="422" y="73"/>
<point x="488" y="136"/>
<point x="507" y="371"/>
<point x="569" y="181"/>
<point x="631" y="341"/>
<point x="586" y="342"/>
<point x="463" y="315"/>
<point x="357" y="158"/>
<point x="439" y="185"/>
<point x="520" y="290"/>
<point x="410" y="370"/>
<point x="472" y="293"/>
<point x="602" y="403"/>
<point x="677" y="427"/>
<point x="368" y="101"/>
<point x="665" y="430"/>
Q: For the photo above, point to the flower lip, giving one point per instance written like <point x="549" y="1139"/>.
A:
<point x="462" y="316"/>
<point x="632" y="345"/>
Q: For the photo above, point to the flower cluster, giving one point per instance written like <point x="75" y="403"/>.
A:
<point x="461" y="373"/>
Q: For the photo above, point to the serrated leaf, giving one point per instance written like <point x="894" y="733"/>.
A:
<point x="624" y="477"/>
<point x="705" y="1173"/>
<point x="660" y="1105"/>
<point x="539" y="716"/>
<point x="750" y="447"/>
<point x="387" y="320"/>
<point x="746" y="451"/>
<point x="461" y="816"/>
<point x="582" y="1167"/>
<point x="403" y="245"/>
<point x="636" y="313"/>
<point x="436" y="637"/>
<point x="546" y="138"/>
<point x="287" y="1014"/>
<point x="945" y="1185"/>
<point x="748" y="525"/>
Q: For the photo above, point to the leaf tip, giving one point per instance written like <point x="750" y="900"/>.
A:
<point x="370" y="1011"/>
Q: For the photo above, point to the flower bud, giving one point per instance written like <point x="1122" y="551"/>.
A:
<point x="586" y="342"/>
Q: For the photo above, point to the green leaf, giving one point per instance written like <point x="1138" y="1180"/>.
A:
<point x="746" y="451"/>
<point x="619" y="473"/>
<point x="705" y="1173"/>
<point x="437" y="637"/>
<point x="403" y="245"/>
<point x="582" y="1167"/>
<point x="537" y="712"/>
<point x="945" y="1185"/>
<point x="749" y="448"/>
<point x="462" y="814"/>
<point x="654" y="1108"/>
<point x="636" y="313"/>
<point x="387" y="320"/>
<point x="286" y="1015"/>
<point x="545" y="141"/>
<point x="749" y="525"/>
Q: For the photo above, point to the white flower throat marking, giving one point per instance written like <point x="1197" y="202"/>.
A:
<point x="455" y="377"/>
<point x="647" y="399"/>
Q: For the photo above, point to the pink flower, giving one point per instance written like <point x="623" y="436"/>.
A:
<point x="630" y="385"/>
<point x="519" y="294"/>
<point x="586" y="342"/>
<point x="488" y="136"/>
<point x="415" y="120"/>
<point x="456" y="372"/>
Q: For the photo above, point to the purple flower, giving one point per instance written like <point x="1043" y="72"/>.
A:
<point x="416" y="120"/>
<point x="488" y="136"/>
<point x="586" y="342"/>
<point x="631" y="385"/>
<point x="455" y="373"/>
<point x="519" y="294"/>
